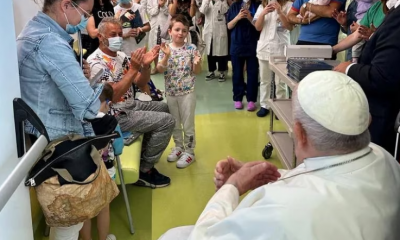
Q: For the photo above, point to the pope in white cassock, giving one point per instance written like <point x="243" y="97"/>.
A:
<point x="346" y="189"/>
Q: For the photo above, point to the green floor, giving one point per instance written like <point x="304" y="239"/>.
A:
<point x="221" y="131"/>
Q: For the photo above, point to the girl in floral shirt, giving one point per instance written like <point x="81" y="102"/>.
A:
<point x="180" y="61"/>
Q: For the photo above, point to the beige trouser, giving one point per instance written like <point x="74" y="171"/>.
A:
<point x="265" y="85"/>
<point x="66" y="233"/>
<point x="183" y="110"/>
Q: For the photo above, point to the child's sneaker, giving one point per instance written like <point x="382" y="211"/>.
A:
<point x="185" y="160"/>
<point x="111" y="237"/>
<point x="221" y="77"/>
<point x="210" y="76"/>
<point x="174" y="155"/>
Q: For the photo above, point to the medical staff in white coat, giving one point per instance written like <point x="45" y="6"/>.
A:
<point x="215" y="35"/>
<point x="158" y="14"/>
<point x="271" y="20"/>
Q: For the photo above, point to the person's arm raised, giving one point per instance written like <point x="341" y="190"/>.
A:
<point x="121" y="87"/>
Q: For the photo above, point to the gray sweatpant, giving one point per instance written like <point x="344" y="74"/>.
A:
<point x="154" y="121"/>
<point x="183" y="109"/>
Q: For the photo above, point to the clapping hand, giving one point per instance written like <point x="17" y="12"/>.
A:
<point x="224" y="169"/>
<point x="354" y="26"/>
<point x="341" y="17"/>
<point x="253" y="175"/>
<point x="365" y="32"/>
<point x="165" y="49"/>
<point x="137" y="58"/>
<point x="149" y="57"/>
<point x="197" y="58"/>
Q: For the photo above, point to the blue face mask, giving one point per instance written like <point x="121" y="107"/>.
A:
<point x="71" y="29"/>
<point x="124" y="1"/>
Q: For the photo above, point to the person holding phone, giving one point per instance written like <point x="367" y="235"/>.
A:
<point x="275" y="29"/>
<point x="244" y="38"/>
<point x="134" y="23"/>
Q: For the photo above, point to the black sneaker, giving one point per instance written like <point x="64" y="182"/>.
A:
<point x="152" y="179"/>
<point x="210" y="76"/>
<point x="221" y="77"/>
<point x="262" y="112"/>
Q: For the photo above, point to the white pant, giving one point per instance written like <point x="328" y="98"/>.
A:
<point x="179" y="233"/>
<point x="265" y="85"/>
<point x="66" y="233"/>
<point x="183" y="110"/>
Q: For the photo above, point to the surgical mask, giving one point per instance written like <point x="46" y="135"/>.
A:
<point x="71" y="29"/>
<point x="115" y="44"/>
<point x="124" y="1"/>
<point x="391" y="3"/>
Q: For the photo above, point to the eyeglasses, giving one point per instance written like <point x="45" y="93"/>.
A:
<point x="85" y="13"/>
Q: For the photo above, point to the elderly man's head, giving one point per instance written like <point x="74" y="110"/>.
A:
<point x="331" y="115"/>
<point x="110" y="34"/>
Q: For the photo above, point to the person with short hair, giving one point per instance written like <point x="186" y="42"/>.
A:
<point x="180" y="62"/>
<point x="346" y="187"/>
<point x="152" y="119"/>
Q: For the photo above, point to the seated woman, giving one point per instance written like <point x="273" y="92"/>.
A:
<point x="52" y="81"/>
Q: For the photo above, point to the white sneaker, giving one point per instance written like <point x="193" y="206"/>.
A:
<point x="174" y="155"/>
<point x="111" y="237"/>
<point x="185" y="160"/>
<point x="144" y="97"/>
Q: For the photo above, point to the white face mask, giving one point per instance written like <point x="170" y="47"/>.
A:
<point x="392" y="3"/>
<point x="115" y="44"/>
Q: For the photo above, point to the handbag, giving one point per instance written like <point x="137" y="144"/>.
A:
<point x="71" y="180"/>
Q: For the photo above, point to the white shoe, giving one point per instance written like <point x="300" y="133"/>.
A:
<point x="111" y="237"/>
<point x="175" y="154"/>
<point x="185" y="160"/>
<point x="144" y="97"/>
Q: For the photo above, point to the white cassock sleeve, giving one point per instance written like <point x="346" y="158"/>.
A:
<point x="258" y="216"/>
<point x="221" y="205"/>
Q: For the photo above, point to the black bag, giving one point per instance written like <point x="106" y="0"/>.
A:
<point x="71" y="153"/>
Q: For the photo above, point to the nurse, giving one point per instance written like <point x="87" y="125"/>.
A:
<point x="244" y="38"/>
<point x="275" y="28"/>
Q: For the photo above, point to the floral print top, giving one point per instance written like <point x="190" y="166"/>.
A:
<point x="179" y="77"/>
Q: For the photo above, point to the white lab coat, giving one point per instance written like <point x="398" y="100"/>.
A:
<point x="354" y="201"/>
<point x="273" y="37"/>
<point x="215" y="26"/>
<point x="158" y="17"/>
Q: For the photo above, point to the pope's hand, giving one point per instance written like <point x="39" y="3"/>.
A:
<point x="253" y="175"/>
<point x="224" y="169"/>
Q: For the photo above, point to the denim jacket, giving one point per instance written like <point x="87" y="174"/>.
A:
<point x="52" y="81"/>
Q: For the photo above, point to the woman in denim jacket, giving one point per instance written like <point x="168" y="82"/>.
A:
<point x="52" y="81"/>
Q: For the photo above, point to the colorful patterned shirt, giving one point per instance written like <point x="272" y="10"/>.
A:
<point x="179" y="77"/>
<point x="115" y="69"/>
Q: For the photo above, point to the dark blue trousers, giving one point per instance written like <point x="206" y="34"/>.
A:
<point x="240" y="88"/>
